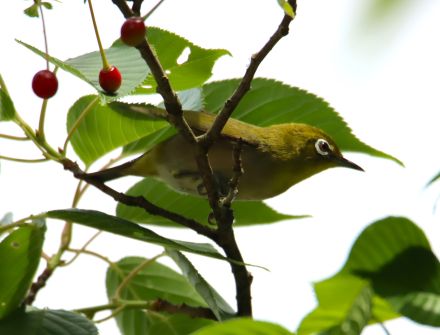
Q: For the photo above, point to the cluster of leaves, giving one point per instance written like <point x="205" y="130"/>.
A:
<point x="379" y="281"/>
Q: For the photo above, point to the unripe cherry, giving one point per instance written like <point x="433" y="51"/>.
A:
<point x="110" y="79"/>
<point x="133" y="31"/>
<point x="45" y="84"/>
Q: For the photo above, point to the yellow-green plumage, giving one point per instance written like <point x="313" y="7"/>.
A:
<point x="273" y="158"/>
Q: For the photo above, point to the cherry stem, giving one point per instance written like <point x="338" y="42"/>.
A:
<point x="45" y="35"/>
<point x="152" y="10"/>
<point x="105" y="63"/>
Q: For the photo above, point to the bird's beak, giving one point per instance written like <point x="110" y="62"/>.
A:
<point x="343" y="162"/>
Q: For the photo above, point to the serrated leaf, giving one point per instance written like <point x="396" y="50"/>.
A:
<point x="183" y="74"/>
<point x="86" y="67"/>
<point x="271" y="102"/>
<point x="7" y="109"/>
<point x="243" y="327"/>
<point x="395" y="255"/>
<point x="216" y="303"/>
<point x="122" y="227"/>
<point x="47" y="322"/>
<point x="107" y="127"/>
<point x="19" y="258"/>
<point x="152" y="282"/>
<point x="197" y="208"/>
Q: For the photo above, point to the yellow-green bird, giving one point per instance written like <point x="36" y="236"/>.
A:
<point x="273" y="158"/>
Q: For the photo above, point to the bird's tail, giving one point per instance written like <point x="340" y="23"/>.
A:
<point x="111" y="173"/>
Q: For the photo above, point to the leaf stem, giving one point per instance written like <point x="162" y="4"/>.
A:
<point x="105" y="63"/>
<point x="24" y="160"/>
<point x="46" y="47"/>
<point x="14" y="138"/>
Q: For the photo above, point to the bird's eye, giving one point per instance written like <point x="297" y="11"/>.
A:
<point x="322" y="147"/>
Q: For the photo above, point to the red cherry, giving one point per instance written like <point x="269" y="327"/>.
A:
<point x="133" y="31"/>
<point x="45" y="84"/>
<point x="110" y="79"/>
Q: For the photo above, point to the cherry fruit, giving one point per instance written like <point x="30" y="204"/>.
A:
<point x="45" y="84"/>
<point x="110" y="79"/>
<point x="133" y="31"/>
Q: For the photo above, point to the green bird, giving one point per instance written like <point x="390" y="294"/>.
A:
<point x="273" y="158"/>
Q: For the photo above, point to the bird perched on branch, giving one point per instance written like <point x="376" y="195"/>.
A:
<point x="273" y="158"/>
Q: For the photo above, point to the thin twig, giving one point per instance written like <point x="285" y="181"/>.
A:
<point x="14" y="138"/>
<point x="24" y="160"/>
<point x="151" y="11"/>
<point x="84" y="247"/>
<point x="214" y="132"/>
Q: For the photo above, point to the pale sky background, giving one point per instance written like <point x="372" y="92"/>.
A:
<point x="383" y="80"/>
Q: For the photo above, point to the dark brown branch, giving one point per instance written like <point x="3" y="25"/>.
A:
<point x="214" y="132"/>
<point x="136" y="7"/>
<point x="38" y="285"/>
<point x="194" y="312"/>
<point x="123" y="7"/>
<point x="237" y="172"/>
<point x="140" y="202"/>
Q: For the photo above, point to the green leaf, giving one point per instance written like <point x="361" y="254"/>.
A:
<point x="87" y="67"/>
<point x="271" y="102"/>
<point x="434" y="179"/>
<point x="7" y="109"/>
<point x="345" y="307"/>
<point x="19" y="258"/>
<point x="197" y="208"/>
<point x="118" y="226"/>
<point x="47" y="322"/>
<point x="395" y="255"/>
<point x="107" y="127"/>
<point x="243" y="327"/>
<point x="32" y="11"/>
<point x="154" y="281"/>
<point x="216" y="303"/>
<point x="183" y="74"/>
<point x="285" y="5"/>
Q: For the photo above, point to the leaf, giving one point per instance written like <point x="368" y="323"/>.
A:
<point x="47" y="322"/>
<point x="285" y="5"/>
<point x="154" y="281"/>
<point x="197" y="208"/>
<point x="118" y="226"/>
<point x="271" y="102"/>
<point x="183" y="74"/>
<point x="434" y="179"/>
<point x="345" y="307"/>
<point x="107" y="127"/>
<point x="19" y="258"/>
<point x="243" y="327"/>
<point x="395" y="255"/>
<point x="7" y="109"/>
<point x="216" y="303"/>
<point x="87" y="67"/>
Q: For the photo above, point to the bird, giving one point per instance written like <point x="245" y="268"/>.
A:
<point x="273" y="158"/>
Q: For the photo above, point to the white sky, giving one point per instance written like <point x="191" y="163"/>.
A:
<point x="384" y="83"/>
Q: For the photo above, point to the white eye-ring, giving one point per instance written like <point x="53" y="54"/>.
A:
<point x="323" y="147"/>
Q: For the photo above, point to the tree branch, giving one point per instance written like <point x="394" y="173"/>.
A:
<point x="139" y="201"/>
<point x="214" y="132"/>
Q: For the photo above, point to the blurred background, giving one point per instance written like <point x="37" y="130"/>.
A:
<point x="375" y="61"/>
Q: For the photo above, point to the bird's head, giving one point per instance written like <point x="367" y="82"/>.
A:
<point x="309" y="149"/>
